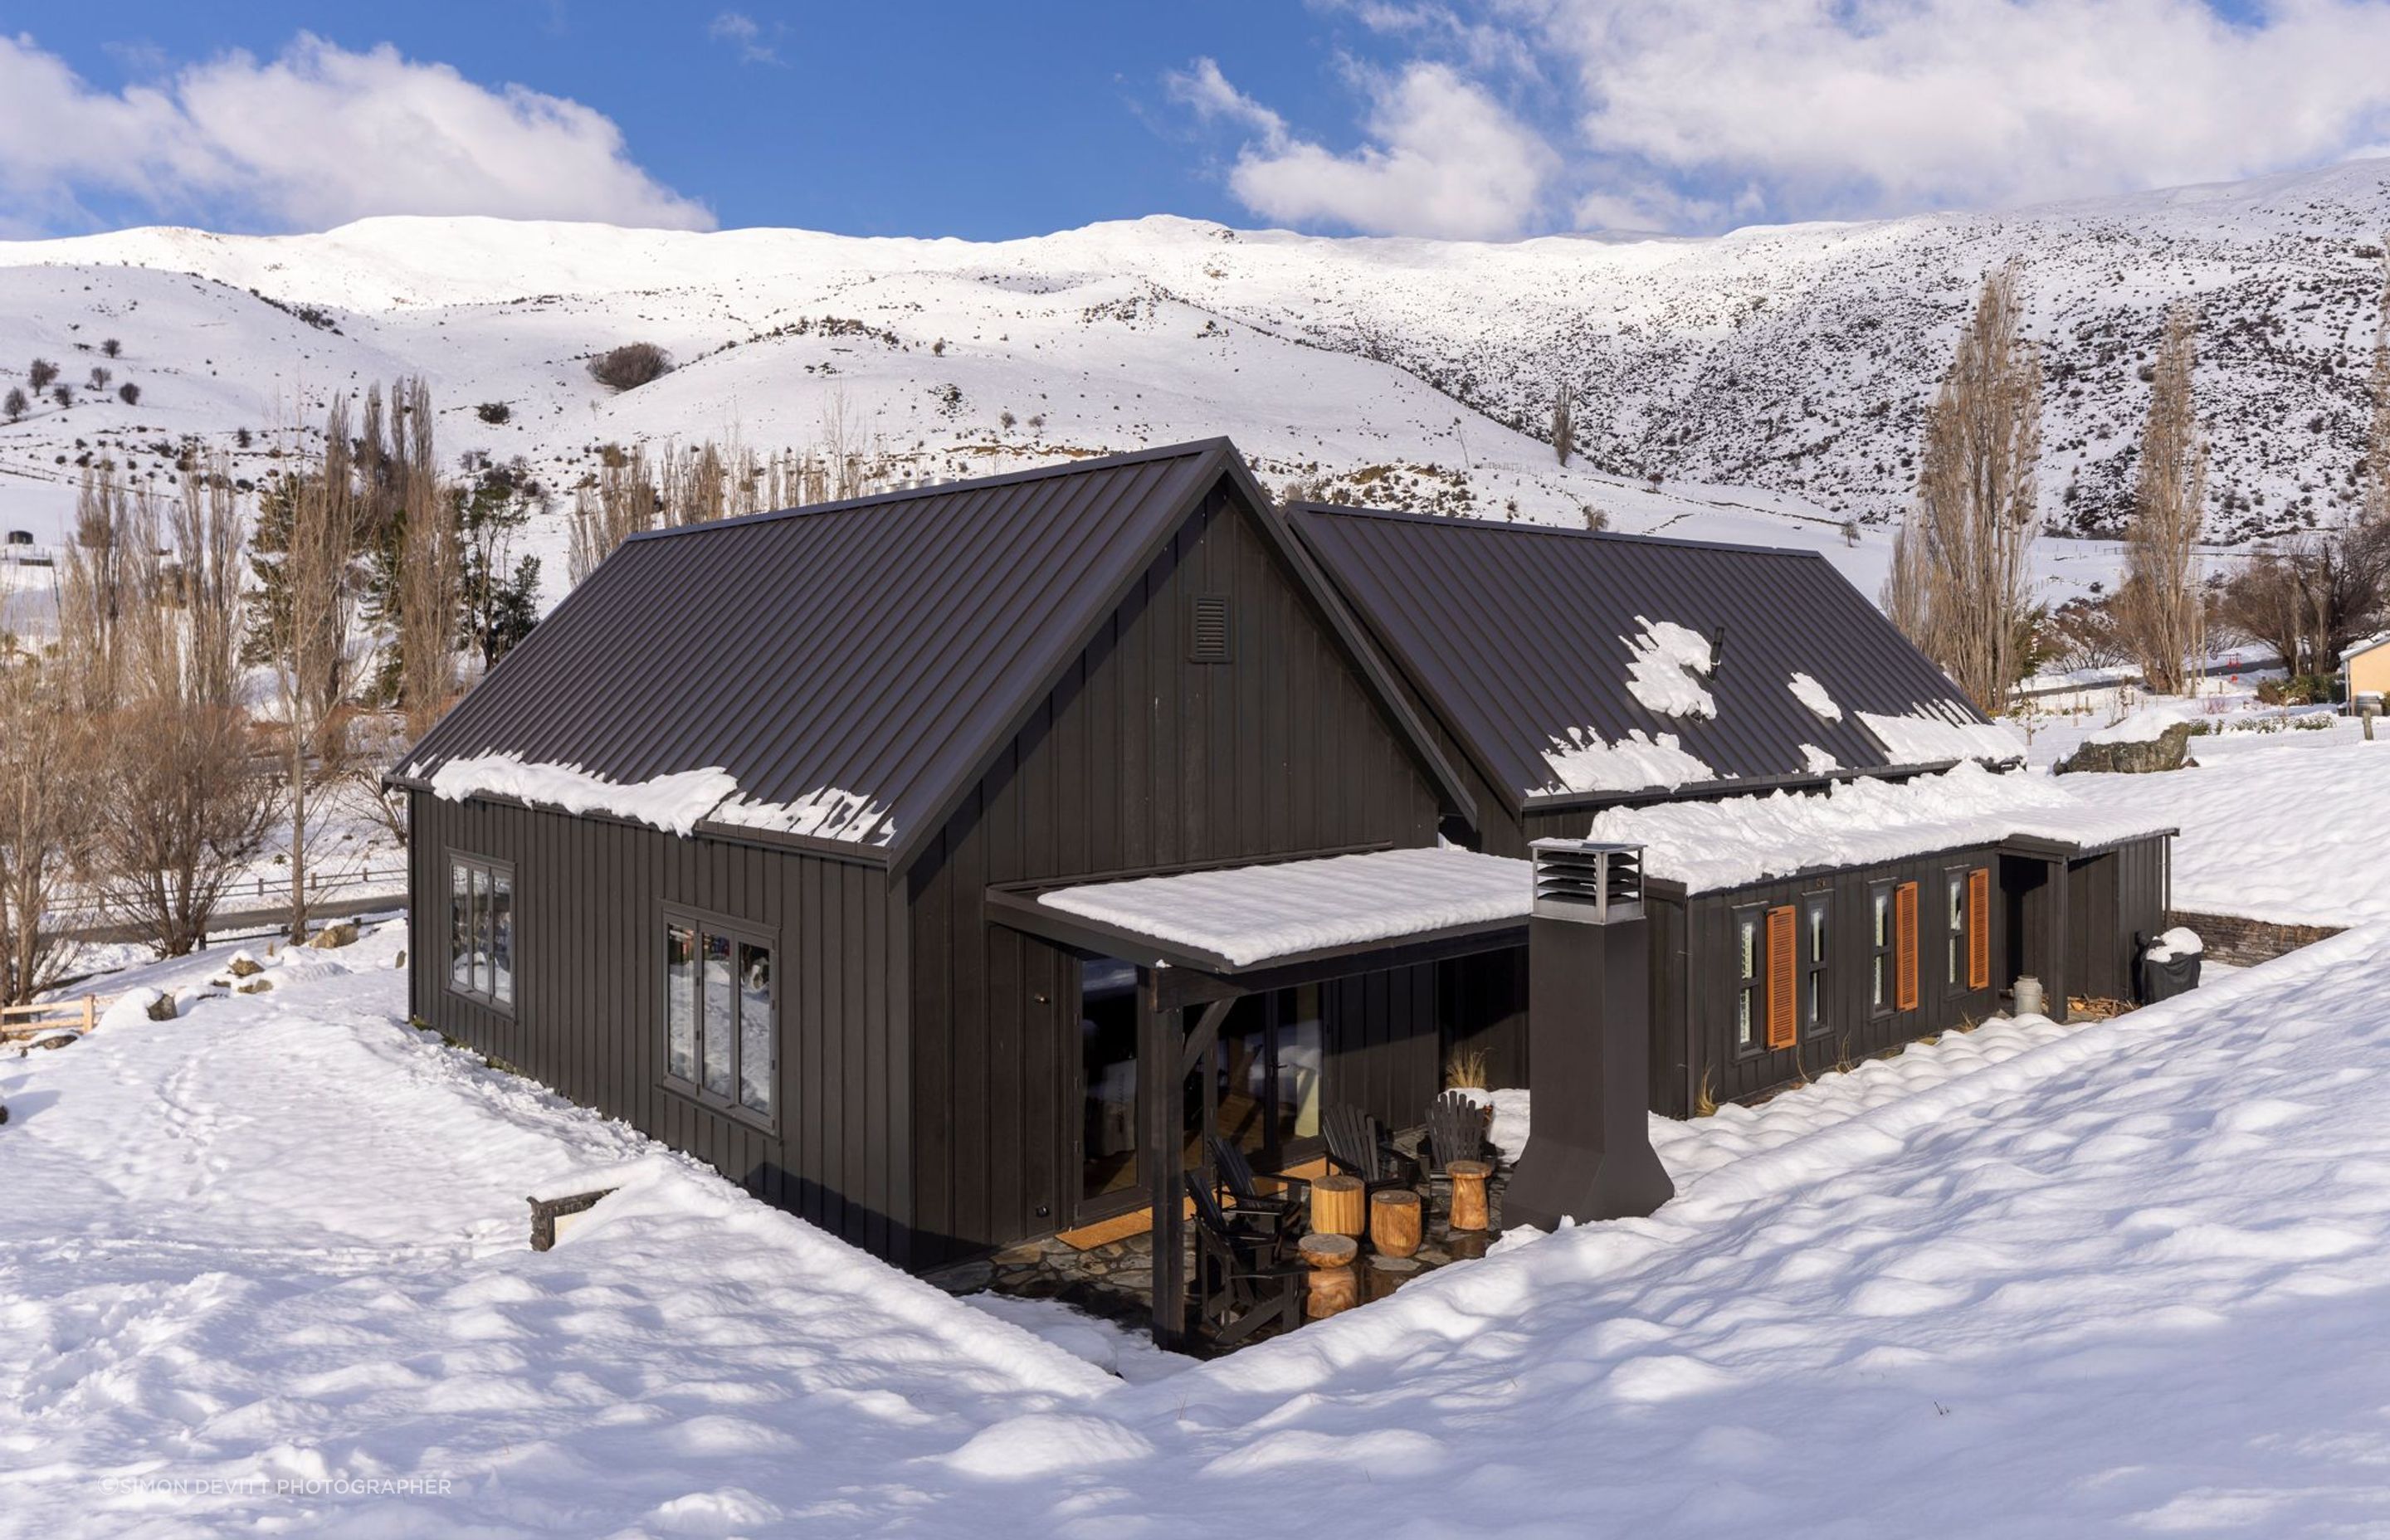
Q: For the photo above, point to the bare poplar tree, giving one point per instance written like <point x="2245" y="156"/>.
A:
<point x="1976" y="511"/>
<point x="182" y="807"/>
<point x="95" y="587"/>
<point x="622" y="503"/>
<point x="309" y="641"/>
<point x="2159" y="601"/>
<point x="45" y="795"/>
<point x="1563" y="422"/>
<point x="428" y="574"/>
<point x="209" y="533"/>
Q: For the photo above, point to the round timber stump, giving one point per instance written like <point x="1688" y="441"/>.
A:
<point x="1339" y="1206"/>
<point x="1394" y="1222"/>
<point x="1335" y="1287"/>
<point x="1469" y="1193"/>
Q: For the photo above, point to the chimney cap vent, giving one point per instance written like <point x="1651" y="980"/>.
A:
<point x="1587" y="882"/>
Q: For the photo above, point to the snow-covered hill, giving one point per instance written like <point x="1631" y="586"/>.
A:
<point x="1773" y="376"/>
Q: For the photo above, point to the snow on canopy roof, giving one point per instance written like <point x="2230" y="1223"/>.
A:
<point x="839" y="671"/>
<point x="2365" y="644"/>
<point x="1712" y="845"/>
<point x="1248" y="915"/>
<point x="1542" y="648"/>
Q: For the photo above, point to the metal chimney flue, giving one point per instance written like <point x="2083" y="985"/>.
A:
<point x="1588" y="1151"/>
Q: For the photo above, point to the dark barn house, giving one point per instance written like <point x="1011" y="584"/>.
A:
<point x="931" y="863"/>
<point x="1505" y="636"/>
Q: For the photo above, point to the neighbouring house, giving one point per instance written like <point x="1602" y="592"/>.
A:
<point x="2365" y="670"/>
<point x="944" y="865"/>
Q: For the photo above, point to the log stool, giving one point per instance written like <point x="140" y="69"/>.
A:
<point x="1339" y="1206"/>
<point x="1469" y="1193"/>
<point x="1394" y="1222"/>
<point x="1335" y="1288"/>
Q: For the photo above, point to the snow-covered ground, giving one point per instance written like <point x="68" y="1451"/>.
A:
<point x="2117" y="1279"/>
<point x="2284" y="826"/>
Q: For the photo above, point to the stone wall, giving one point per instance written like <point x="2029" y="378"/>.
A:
<point x="2232" y="939"/>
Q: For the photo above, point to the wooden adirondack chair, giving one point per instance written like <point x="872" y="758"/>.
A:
<point x="1243" y="1284"/>
<point x="1236" y="1176"/>
<point x="1358" y="1146"/>
<point x="1456" y="1131"/>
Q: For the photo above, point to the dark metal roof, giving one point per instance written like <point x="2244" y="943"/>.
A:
<point x="889" y="645"/>
<point x="1514" y="634"/>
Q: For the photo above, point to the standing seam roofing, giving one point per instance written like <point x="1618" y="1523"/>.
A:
<point x="873" y="646"/>
<point x="1516" y="634"/>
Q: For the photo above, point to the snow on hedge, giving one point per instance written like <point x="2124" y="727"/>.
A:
<point x="676" y="803"/>
<point x="2149" y="723"/>
<point x="1813" y="695"/>
<point x="1252" y="914"/>
<point x="1667" y="668"/>
<point x="1639" y="762"/>
<point x="1939" y="731"/>
<point x="1726" y="844"/>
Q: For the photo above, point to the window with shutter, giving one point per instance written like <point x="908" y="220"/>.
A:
<point x="1904" y="924"/>
<point x="1783" y="966"/>
<point x="1979" y="929"/>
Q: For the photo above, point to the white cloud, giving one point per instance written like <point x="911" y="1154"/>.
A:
<point x="1444" y="159"/>
<point x="746" y="35"/>
<point x="315" y="137"/>
<point x="1887" y="105"/>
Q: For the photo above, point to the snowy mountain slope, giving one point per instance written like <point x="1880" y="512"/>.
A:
<point x="1774" y="377"/>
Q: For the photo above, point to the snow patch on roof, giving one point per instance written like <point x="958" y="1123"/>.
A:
<point x="675" y="803"/>
<point x="1939" y="730"/>
<point x="1817" y="762"/>
<point x="1727" y="844"/>
<point x="1670" y="661"/>
<point x="1582" y="762"/>
<point x="826" y="813"/>
<point x="1247" y="915"/>
<point x="1813" y="695"/>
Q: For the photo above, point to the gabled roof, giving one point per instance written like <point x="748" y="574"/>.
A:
<point x="1523" y="638"/>
<point x="854" y="667"/>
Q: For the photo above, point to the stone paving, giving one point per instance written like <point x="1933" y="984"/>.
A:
<point x="1115" y="1279"/>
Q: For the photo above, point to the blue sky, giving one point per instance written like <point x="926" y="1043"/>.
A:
<point x="1490" y="118"/>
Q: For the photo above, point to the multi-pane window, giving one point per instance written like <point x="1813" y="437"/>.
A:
<point x="482" y="930"/>
<point x="1814" y="952"/>
<point x="1954" y="936"/>
<point x="721" y="1025"/>
<point x="1746" y="984"/>
<point x="1880" y="949"/>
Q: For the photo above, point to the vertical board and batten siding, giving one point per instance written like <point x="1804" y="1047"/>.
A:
<point x="1694" y="983"/>
<point x="588" y="1022"/>
<point x="1139" y="761"/>
<point x="2112" y="898"/>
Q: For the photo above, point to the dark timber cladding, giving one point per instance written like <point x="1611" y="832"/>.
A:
<point x="1143" y="759"/>
<point x="1512" y="634"/>
<point x="1121" y="667"/>
<point x="588" y="1017"/>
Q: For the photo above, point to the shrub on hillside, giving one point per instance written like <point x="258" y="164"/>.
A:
<point x="494" y="412"/>
<point x="630" y="365"/>
<point x="129" y="394"/>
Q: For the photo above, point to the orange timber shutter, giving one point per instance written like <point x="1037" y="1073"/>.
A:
<point x="1979" y="927"/>
<point x="1781" y="979"/>
<point x="1904" y="946"/>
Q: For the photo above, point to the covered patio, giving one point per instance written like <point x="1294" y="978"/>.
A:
<point x="1201" y="942"/>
